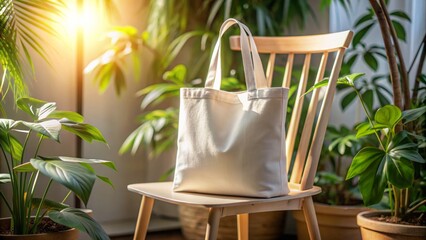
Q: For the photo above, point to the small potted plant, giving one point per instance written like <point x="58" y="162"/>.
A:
<point x="34" y="216"/>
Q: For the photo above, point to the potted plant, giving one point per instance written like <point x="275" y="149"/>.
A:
<point x="33" y="216"/>
<point x="392" y="165"/>
<point x="391" y="127"/>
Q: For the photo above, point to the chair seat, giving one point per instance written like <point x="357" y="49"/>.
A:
<point x="163" y="191"/>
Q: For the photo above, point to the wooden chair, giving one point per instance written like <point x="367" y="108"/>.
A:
<point x="307" y="134"/>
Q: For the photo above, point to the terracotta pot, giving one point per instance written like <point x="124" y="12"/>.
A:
<point x="377" y="230"/>
<point x="263" y="226"/>
<point x="70" y="234"/>
<point x="335" y="222"/>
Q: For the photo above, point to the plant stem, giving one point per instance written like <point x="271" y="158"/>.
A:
<point x="421" y="203"/>
<point x="404" y="75"/>
<point x="368" y="117"/>
<point x="37" y="215"/>
<point x="38" y="146"/>
<point x="390" y="53"/>
<point x="397" y="202"/>
<point x="7" y="203"/>
<point x="66" y="197"/>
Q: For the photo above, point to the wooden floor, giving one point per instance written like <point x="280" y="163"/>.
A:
<point x="176" y="235"/>
<point x="167" y="235"/>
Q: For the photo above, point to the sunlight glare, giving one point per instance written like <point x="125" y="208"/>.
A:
<point x="87" y="19"/>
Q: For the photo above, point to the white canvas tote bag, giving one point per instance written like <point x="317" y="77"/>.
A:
<point x="232" y="143"/>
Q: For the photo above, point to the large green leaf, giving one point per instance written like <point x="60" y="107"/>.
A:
<point x="387" y="116"/>
<point x="11" y="145"/>
<point x="49" y="128"/>
<point x="400" y="172"/>
<point x="73" y="176"/>
<point x="80" y="220"/>
<point x="85" y="131"/>
<point x="363" y="161"/>
<point x="37" y="109"/>
<point x="90" y="161"/>
<point x="72" y="116"/>
<point x="47" y="204"/>
<point x="372" y="183"/>
<point x="413" y="114"/>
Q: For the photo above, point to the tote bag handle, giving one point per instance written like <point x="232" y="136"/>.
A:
<point x="253" y="69"/>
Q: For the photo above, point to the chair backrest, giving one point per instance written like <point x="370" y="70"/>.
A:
<point x="305" y="131"/>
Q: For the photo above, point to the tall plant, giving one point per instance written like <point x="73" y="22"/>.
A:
<point x="24" y="166"/>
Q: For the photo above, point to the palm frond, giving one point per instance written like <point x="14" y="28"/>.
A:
<point x="21" y="25"/>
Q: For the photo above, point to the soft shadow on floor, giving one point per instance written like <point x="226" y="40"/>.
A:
<point x="165" y="235"/>
<point x="177" y="235"/>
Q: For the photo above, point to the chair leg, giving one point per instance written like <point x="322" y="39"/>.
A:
<point x="143" y="218"/>
<point x="213" y="223"/>
<point x="311" y="219"/>
<point x="243" y="226"/>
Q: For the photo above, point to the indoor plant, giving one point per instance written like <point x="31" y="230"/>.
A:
<point x="24" y="165"/>
<point x="388" y="165"/>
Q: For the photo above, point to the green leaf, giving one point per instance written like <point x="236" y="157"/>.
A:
<point x="85" y="131"/>
<point x="372" y="183"/>
<point x="401" y="14"/>
<point x="106" y="180"/>
<point x="360" y="34"/>
<point x="176" y="75"/>
<point x="366" y="17"/>
<point x="364" y="129"/>
<point x="413" y="114"/>
<point x="345" y="80"/>
<point x="156" y="93"/>
<point x="11" y="145"/>
<point x="47" y="204"/>
<point x="387" y="116"/>
<point x="74" y="218"/>
<point x="106" y="163"/>
<point x="368" y="98"/>
<point x="72" y="116"/>
<point x="25" y="167"/>
<point x="371" y="61"/>
<point x="4" y="178"/>
<point x="7" y="124"/>
<point x="347" y="100"/>
<point x="400" y="30"/>
<point x="48" y="128"/>
<point x="119" y="80"/>
<point x="37" y="109"/>
<point x="400" y="172"/>
<point x="363" y="160"/>
<point x="73" y="176"/>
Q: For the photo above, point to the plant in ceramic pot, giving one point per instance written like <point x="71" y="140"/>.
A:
<point x="393" y="163"/>
<point x="30" y="212"/>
